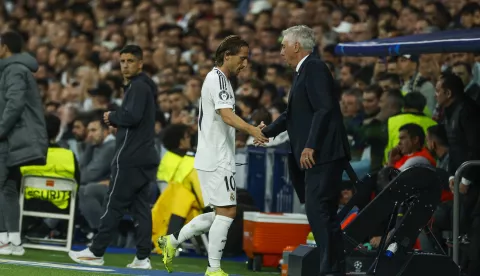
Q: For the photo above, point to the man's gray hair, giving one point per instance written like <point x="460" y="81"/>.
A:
<point x="302" y="34"/>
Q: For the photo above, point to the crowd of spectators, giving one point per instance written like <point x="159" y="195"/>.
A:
<point x="77" y="45"/>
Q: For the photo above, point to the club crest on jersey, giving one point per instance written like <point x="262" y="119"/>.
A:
<point x="223" y="95"/>
<point x="232" y="196"/>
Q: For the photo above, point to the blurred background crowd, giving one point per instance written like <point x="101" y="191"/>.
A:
<point x="77" y="45"/>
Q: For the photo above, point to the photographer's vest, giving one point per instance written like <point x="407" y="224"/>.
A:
<point x="397" y="121"/>
<point x="61" y="164"/>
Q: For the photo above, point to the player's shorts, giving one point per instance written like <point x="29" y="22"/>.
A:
<point x="218" y="187"/>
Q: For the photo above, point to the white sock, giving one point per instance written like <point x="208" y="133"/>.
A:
<point x="14" y="238"/>
<point x="197" y="226"/>
<point x="3" y="237"/>
<point x="217" y="238"/>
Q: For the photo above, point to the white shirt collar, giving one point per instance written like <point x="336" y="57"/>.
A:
<point x="300" y="63"/>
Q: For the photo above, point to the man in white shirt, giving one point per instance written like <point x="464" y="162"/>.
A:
<point x="215" y="157"/>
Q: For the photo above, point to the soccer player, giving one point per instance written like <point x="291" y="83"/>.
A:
<point x="215" y="157"/>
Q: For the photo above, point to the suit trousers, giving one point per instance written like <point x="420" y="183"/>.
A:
<point x="129" y="191"/>
<point x="323" y="187"/>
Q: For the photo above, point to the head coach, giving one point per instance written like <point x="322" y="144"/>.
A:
<point x="318" y="141"/>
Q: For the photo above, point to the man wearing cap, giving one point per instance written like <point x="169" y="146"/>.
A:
<point x="413" y="81"/>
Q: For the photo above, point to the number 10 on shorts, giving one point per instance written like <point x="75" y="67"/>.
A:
<point x="230" y="183"/>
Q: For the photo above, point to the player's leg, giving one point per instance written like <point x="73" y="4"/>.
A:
<point x="142" y="216"/>
<point x="225" y="202"/>
<point x="169" y="244"/>
<point x="197" y="226"/>
<point x="119" y="198"/>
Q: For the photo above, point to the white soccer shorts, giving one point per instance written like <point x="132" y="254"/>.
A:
<point x="218" y="187"/>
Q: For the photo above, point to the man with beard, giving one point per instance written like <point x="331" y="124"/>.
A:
<point x="79" y="131"/>
<point x="95" y="169"/>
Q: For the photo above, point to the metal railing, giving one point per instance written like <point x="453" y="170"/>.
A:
<point x="456" y="206"/>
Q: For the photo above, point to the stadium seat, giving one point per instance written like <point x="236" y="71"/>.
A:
<point x="51" y="184"/>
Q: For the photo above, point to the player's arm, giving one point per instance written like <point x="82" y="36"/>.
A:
<point x="230" y="118"/>
<point x="224" y="102"/>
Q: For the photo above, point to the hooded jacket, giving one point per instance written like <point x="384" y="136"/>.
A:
<point x="22" y="121"/>
<point x="135" y="122"/>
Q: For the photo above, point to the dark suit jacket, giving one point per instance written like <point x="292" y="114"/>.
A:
<point x="313" y="118"/>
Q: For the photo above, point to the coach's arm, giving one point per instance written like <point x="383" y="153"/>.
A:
<point x="131" y="113"/>
<point x="319" y="91"/>
<point x="277" y="127"/>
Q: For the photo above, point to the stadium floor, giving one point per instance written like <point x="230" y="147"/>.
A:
<point x="52" y="263"/>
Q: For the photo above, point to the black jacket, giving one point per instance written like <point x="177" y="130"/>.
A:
<point x="463" y="133"/>
<point x="313" y="118"/>
<point x="135" y="122"/>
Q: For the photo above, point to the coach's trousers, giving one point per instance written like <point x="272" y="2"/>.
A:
<point x="129" y="190"/>
<point x="321" y="204"/>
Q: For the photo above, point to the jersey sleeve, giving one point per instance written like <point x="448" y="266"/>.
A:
<point x="218" y="90"/>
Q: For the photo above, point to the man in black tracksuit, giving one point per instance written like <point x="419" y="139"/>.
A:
<point x="134" y="165"/>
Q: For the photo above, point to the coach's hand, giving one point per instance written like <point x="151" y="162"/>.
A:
<point x="262" y="125"/>
<point x="105" y="117"/>
<point x="307" y="161"/>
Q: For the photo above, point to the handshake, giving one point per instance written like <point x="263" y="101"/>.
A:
<point x="257" y="134"/>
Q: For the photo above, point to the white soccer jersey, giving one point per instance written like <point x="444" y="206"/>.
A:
<point x="216" y="139"/>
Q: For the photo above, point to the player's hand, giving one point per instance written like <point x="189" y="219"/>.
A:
<point x="257" y="134"/>
<point x="307" y="161"/>
<point x="256" y="142"/>
<point x="105" y="118"/>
